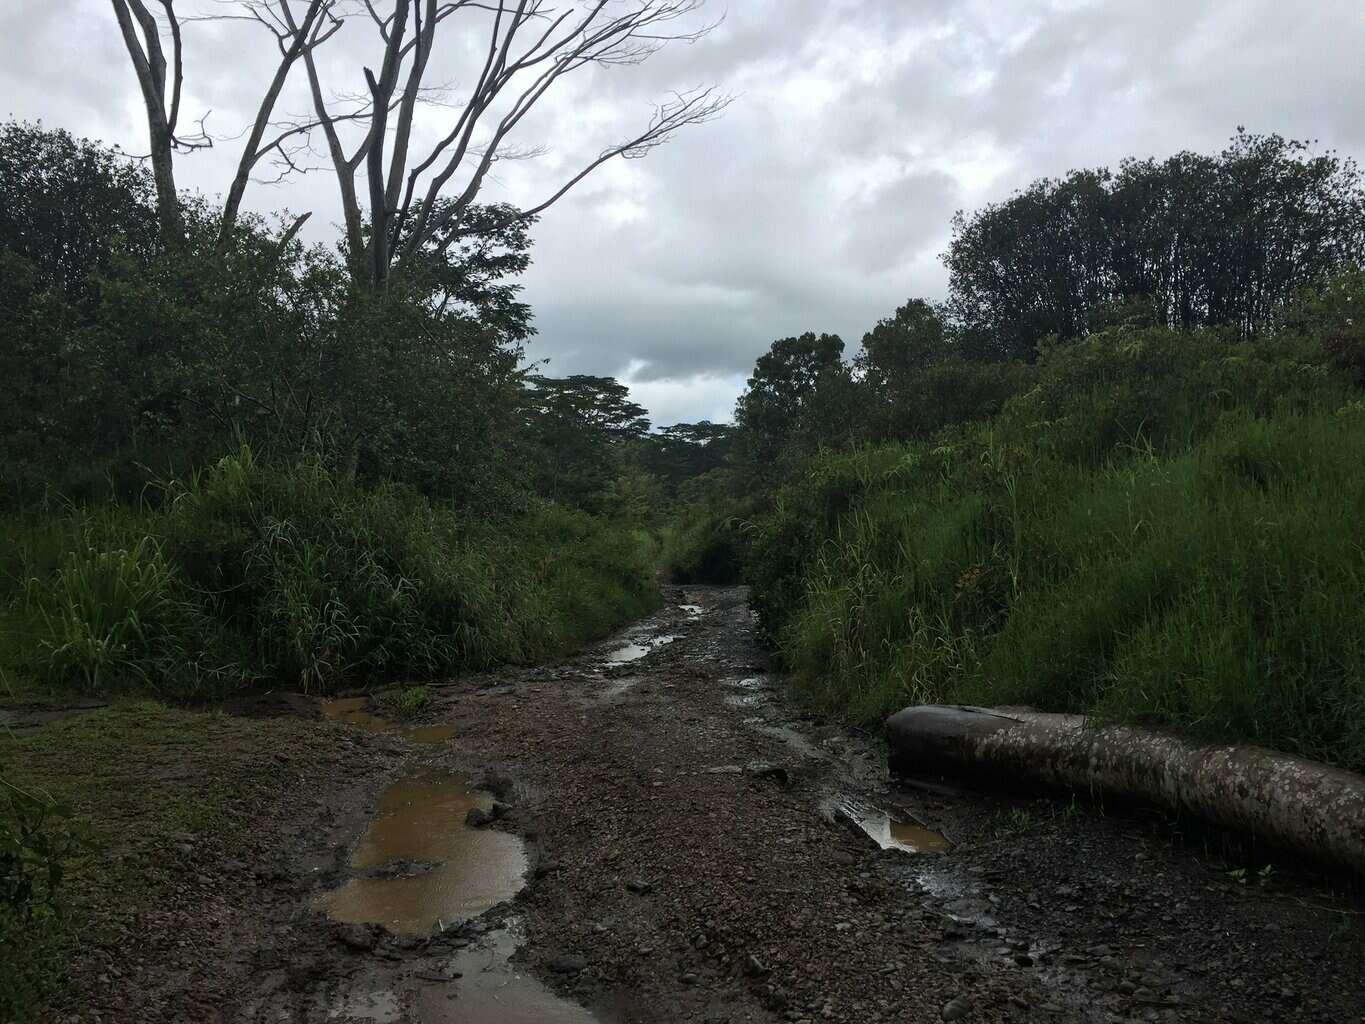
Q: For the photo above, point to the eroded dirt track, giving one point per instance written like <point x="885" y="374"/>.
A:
<point x="687" y="860"/>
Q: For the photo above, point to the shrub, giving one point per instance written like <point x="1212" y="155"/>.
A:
<point x="296" y="576"/>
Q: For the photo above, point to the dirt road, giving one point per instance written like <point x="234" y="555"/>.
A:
<point x="655" y="835"/>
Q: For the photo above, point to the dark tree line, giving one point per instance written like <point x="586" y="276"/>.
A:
<point x="1191" y="240"/>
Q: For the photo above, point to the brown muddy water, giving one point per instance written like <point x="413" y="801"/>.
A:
<point x="892" y="833"/>
<point x="419" y="868"/>
<point x="422" y="867"/>
<point x="354" y="711"/>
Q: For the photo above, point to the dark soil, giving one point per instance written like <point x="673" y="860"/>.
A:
<point x="687" y="864"/>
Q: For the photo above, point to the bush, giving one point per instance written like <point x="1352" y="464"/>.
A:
<point x="705" y="548"/>
<point x="707" y="539"/>
<point x="297" y="576"/>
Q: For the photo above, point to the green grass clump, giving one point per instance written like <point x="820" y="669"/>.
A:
<point x="246" y="573"/>
<point x="1167" y="529"/>
<point x="403" y="702"/>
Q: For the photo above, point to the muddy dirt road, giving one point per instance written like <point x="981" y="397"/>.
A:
<point x="650" y="833"/>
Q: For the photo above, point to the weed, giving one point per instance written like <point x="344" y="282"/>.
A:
<point x="405" y="702"/>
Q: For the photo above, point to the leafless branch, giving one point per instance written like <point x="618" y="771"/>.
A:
<point x="415" y="201"/>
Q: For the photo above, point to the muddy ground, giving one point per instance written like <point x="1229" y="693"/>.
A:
<point x="671" y="841"/>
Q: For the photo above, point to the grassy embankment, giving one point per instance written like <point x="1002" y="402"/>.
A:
<point x="1166" y="528"/>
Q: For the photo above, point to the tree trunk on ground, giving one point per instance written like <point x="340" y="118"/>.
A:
<point x="1297" y="803"/>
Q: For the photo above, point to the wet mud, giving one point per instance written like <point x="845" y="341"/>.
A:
<point x="677" y="841"/>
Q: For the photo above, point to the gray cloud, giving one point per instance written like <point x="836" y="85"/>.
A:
<point x="822" y="199"/>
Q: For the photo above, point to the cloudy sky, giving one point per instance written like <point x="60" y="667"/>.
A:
<point x="822" y="198"/>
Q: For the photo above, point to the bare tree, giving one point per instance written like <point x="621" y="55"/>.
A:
<point x="414" y="205"/>
<point x="142" y="35"/>
<point x="163" y="112"/>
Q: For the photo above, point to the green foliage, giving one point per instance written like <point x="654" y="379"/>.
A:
<point x="123" y="361"/>
<point x="585" y="429"/>
<point x="680" y="453"/>
<point x="801" y="397"/>
<point x="245" y="572"/>
<point x="37" y="840"/>
<point x="707" y="538"/>
<point x="1164" y="527"/>
<point x="104" y="613"/>
<point x="404" y="702"/>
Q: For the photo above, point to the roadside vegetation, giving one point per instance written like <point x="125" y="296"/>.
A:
<point x="1125" y="477"/>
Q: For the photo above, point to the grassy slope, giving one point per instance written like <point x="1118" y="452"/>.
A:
<point x="1154" y="534"/>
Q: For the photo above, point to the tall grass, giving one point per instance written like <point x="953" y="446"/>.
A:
<point x="1168" y="529"/>
<point x="247" y="573"/>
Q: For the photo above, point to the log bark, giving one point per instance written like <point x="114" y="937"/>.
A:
<point x="1291" y="801"/>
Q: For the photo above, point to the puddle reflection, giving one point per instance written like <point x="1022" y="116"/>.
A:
<point x="637" y="649"/>
<point x="893" y="834"/>
<point x="450" y="872"/>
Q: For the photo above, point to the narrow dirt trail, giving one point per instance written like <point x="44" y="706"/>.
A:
<point x="683" y="850"/>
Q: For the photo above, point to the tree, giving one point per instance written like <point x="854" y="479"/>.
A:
<point x="1186" y="242"/>
<point x="67" y="204"/>
<point x="799" y="398"/>
<point x="915" y="337"/>
<point x="142" y="37"/>
<point x="684" y="451"/>
<point x="122" y="356"/>
<point x="585" y="427"/>
<point x="415" y="204"/>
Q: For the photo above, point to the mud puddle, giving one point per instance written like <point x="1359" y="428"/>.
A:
<point x="355" y="712"/>
<point x="425" y="869"/>
<point x="492" y="990"/>
<point x="637" y="649"/>
<point x="891" y="832"/>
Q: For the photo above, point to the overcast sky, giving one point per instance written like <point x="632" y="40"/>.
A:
<point x="821" y="200"/>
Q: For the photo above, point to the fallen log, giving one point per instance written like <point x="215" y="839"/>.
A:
<point x="1300" y="804"/>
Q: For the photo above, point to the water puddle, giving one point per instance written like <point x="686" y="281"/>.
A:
<point x="637" y="649"/>
<point x="693" y="610"/>
<point x="354" y="711"/>
<point x="435" y="870"/>
<point x="892" y="833"/>
<point x="492" y="990"/>
<point x="374" y="1007"/>
<point x="617" y="688"/>
<point x="744" y="700"/>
